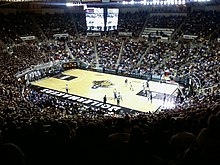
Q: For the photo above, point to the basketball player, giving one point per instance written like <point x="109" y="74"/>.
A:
<point x="164" y="97"/>
<point x="147" y="84"/>
<point x="146" y="93"/>
<point x="119" y="97"/>
<point x="143" y="88"/>
<point x="115" y="94"/>
<point x="131" y="87"/>
<point x="105" y="99"/>
<point x="67" y="88"/>
<point x="151" y="96"/>
<point x="126" y="82"/>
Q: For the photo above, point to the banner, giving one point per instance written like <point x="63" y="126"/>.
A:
<point x="84" y="100"/>
<point x="164" y="38"/>
<point x="28" y="38"/>
<point x="125" y="33"/>
<point x="145" y="35"/>
<point x="158" y="29"/>
<point x="93" y="34"/>
<point x="61" y="35"/>
<point x="158" y="32"/>
<point x="210" y="90"/>
<point x="190" y="37"/>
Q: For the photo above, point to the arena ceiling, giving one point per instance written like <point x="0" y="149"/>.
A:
<point x="130" y="3"/>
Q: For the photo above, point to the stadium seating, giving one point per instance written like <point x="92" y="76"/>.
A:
<point x="38" y="128"/>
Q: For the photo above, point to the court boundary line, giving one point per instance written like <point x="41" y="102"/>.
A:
<point x="84" y="75"/>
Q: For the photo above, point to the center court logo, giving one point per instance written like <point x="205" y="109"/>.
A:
<point x="102" y="83"/>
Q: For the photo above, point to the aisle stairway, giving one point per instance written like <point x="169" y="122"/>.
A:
<point x="38" y="27"/>
<point x="143" y="55"/>
<point x="96" y="53"/>
<point x="120" y="53"/>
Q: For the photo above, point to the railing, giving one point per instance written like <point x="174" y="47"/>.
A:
<point x="196" y="81"/>
<point x="39" y="67"/>
<point x="133" y="74"/>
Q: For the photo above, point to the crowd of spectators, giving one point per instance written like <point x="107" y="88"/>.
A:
<point x="171" y="22"/>
<point x="83" y="51"/>
<point x="14" y="26"/>
<point x="108" y="52"/>
<point x="80" y="20"/>
<point x="50" y="130"/>
<point x="201" y="24"/>
<point x="39" y="128"/>
<point x="157" y="53"/>
<point x="23" y="57"/>
<point x="132" y="22"/>
<point x="55" y="50"/>
<point x="183" y="59"/>
<point x="56" y="24"/>
<point x="203" y="62"/>
<point x="131" y="55"/>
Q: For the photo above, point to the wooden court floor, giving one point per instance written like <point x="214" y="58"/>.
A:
<point x="82" y="83"/>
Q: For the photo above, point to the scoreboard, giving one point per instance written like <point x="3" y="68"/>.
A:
<point x="69" y="65"/>
<point x="112" y="19"/>
<point x="94" y="19"/>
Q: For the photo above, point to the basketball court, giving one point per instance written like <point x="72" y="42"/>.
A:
<point x="81" y="83"/>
